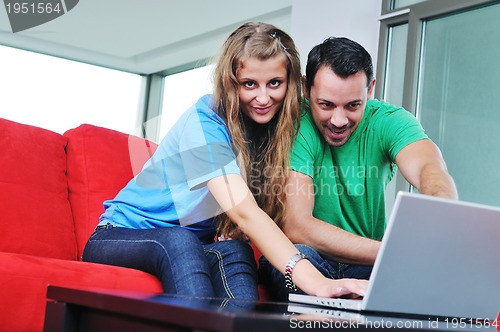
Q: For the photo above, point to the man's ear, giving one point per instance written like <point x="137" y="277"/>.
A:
<point x="370" y="88"/>
<point x="306" y="90"/>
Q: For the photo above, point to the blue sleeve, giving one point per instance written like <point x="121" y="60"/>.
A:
<point x="205" y="146"/>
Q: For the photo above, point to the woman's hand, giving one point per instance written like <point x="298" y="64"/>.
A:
<point x="350" y="288"/>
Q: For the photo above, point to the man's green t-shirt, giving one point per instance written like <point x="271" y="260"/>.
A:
<point x="350" y="180"/>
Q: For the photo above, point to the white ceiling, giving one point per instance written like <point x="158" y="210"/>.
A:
<point x="143" y="36"/>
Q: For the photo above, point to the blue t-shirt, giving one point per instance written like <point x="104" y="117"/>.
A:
<point x="171" y="188"/>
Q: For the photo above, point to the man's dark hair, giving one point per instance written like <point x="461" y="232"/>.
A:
<point x="343" y="56"/>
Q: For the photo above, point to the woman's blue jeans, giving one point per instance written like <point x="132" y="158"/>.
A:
<point x="184" y="265"/>
<point x="275" y="281"/>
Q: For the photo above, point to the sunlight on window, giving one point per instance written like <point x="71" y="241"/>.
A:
<point x="396" y="4"/>
<point x="181" y="91"/>
<point x="59" y="94"/>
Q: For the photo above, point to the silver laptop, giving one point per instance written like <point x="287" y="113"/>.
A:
<point x="439" y="257"/>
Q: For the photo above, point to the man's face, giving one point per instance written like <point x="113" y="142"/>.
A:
<point x="338" y="104"/>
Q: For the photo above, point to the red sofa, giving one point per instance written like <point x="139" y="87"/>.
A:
<point x="52" y="188"/>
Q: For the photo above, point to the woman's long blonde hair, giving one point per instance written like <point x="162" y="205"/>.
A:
<point x="263" y="150"/>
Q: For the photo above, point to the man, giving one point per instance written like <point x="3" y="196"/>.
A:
<point x="347" y="150"/>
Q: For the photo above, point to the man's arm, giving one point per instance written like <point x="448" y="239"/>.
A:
<point x="234" y="197"/>
<point x="301" y="227"/>
<point x="422" y="165"/>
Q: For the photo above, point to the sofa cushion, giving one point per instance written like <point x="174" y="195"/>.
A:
<point x="36" y="216"/>
<point x="25" y="278"/>
<point x="100" y="162"/>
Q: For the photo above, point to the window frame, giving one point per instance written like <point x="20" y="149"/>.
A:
<point x="415" y="16"/>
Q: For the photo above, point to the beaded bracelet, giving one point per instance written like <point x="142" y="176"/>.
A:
<point x="289" y="269"/>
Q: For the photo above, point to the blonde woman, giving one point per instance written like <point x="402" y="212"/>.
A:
<point x="221" y="169"/>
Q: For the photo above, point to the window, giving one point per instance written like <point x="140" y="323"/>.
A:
<point x="59" y="94"/>
<point x="458" y="98"/>
<point x="448" y="77"/>
<point x="396" y="4"/>
<point x="181" y="91"/>
<point x="393" y="91"/>
<point x="395" y="64"/>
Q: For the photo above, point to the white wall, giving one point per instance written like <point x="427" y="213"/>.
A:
<point x="314" y="20"/>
